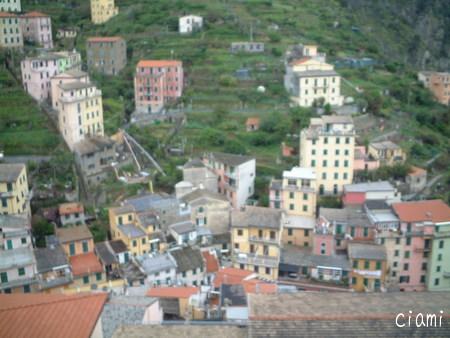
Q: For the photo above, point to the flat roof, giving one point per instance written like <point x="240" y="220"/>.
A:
<point x="16" y="258"/>
<point x="366" y="251"/>
<point x="300" y="172"/>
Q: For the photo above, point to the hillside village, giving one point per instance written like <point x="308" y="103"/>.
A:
<point x="216" y="178"/>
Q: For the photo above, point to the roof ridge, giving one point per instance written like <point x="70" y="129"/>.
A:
<point x="59" y="300"/>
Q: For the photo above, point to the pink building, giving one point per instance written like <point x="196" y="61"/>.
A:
<point x="37" y="28"/>
<point x="156" y="83"/>
<point x="37" y="71"/>
<point x="364" y="161"/>
<point x="417" y="224"/>
<point x="36" y="75"/>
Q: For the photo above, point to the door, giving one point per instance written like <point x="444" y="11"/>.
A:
<point x="9" y="245"/>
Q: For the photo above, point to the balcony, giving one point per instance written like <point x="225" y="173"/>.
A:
<point x="446" y="274"/>
<point x="254" y="259"/>
<point x="276" y="198"/>
<point x="231" y="175"/>
<point x="422" y="250"/>
<point x="17" y="283"/>
<point x="55" y="282"/>
<point x="256" y="239"/>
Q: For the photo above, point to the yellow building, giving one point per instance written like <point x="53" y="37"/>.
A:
<point x="14" y="193"/>
<point x="80" y="111"/>
<point x="139" y="231"/>
<point x="296" y="194"/>
<point x="103" y="10"/>
<point x="369" y="266"/>
<point x="256" y="240"/>
<point x="387" y="152"/>
<point x="327" y="145"/>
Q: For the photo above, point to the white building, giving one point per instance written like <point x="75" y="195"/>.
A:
<point x="10" y="6"/>
<point x="236" y="176"/>
<point x="160" y="268"/>
<point x="190" y="23"/>
<point x="310" y="80"/>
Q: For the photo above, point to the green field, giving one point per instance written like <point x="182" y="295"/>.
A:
<point x="23" y="128"/>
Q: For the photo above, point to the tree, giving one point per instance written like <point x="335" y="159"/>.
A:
<point x="41" y="228"/>
<point x="374" y="102"/>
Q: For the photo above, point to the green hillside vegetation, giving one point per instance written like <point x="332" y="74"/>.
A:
<point x="221" y="103"/>
<point x="23" y="128"/>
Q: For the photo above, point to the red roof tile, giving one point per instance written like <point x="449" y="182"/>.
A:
<point x="251" y="284"/>
<point x="50" y="316"/>
<point x="35" y="15"/>
<point x="434" y="210"/>
<point x="212" y="264"/>
<point x="159" y="63"/>
<point x="300" y="61"/>
<point x="252" y="121"/>
<point x="85" y="264"/>
<point x="416" y="171"/>
<point x="7" y="15"/>
<point x="104" y="39"/>
<point x="172" y="292"/>
<point x="70" y="208"/>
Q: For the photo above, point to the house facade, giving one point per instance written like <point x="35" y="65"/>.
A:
<point x="387" y="152"/>
<point x="106" y="55"/>
<point x="75" y="240"/>
<point x="38" y="71"/>
<point x="310" y="81"/>
<point x="37" y="28"/>
<point x="256" y="239"/>
<point x="103" y="10"/>
<point x="10" y="31"/>
<point x="14" y="193"/>
<point x="236" y="176"/>
<point x="189" y="24"/>
<point x="327" y="146"/>
<point x="157" y="83"/>
<point x="438" y="84"/>
<point x="10" y="6"/>
<point x="80" y="112"/>
<point x="191" y="268"/>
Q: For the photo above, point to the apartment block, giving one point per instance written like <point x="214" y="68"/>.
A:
<point x="369" y="266"/>
<point x="38" y="71"/>
<point x="106" y="55"/>
<point x="327" y="146"/>
<point x="80" y="112"/>
<point x="103" y="10"/>
<point x="256" y="239"/>
<point x="37" y="28"/>
<point x="296" y="195"/>
<point x="75" y="240"/>
<point x="135" y="228"/>
<point x="439" y="85"/>
<point x="424" y="245"/>
<point x="17" y="263"/>
<point x="69" y="76"/>
<point x="236" y="176"/>
<point x="14" y="194"/>
<point x="10" y="31"/>
<point x="310" y="81"/>
<point x="157" y="83"/>
<point x="10" y="6"/>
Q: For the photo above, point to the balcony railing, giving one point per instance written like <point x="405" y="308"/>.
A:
<point x="254" y="259"/>
<point x="58" y="281"/>
<point x="263" y="240"/>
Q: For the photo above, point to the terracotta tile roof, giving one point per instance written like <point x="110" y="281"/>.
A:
<point x="159" y="63"/>
<point x="433" y="210"/>
<point x="50" y="316"/>
<point x="172" y="292"/>
<point x="7" y="15"/>
<point x="70" y="208"/>
<point x="35" y="14"/>
<point x="85" y="264"/>
<point x="300" y="61"/>
<point x="247" y="279"/>
<point x="416" y="171"/>
<point x="252" y="121"/>
<point x="212" y="264"/>
<point x="104" y="39"/>
<point x="73" y="233"/>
